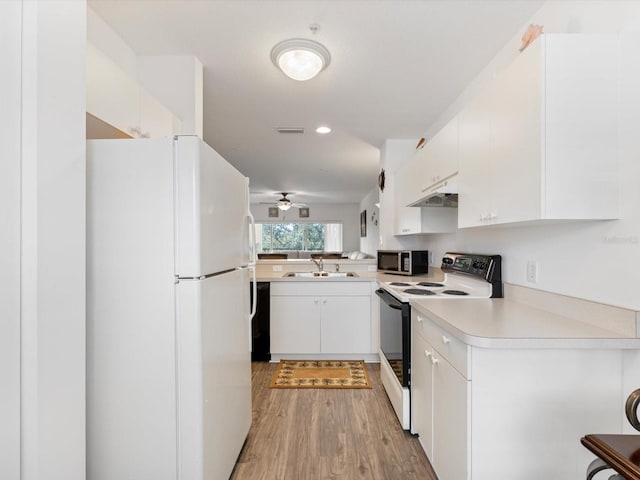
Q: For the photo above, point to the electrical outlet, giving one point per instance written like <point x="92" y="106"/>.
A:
<point x="277" y="268"/>
<point x="430" y="262"/>
<point x="532" y="271"/>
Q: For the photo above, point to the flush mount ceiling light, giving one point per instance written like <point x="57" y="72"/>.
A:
<point x="299" y="58"/>
<point x="323" y="130"/>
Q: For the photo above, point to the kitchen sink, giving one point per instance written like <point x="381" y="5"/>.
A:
<point x="320" y="274"/>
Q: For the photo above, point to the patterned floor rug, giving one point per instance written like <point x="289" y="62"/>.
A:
<point x="321" y="374"/>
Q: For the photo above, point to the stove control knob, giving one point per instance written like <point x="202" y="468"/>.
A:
<point x="478" y="265"/>
<point x="447" y="261"/>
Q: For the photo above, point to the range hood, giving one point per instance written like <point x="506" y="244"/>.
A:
<point x="444" y="194"/>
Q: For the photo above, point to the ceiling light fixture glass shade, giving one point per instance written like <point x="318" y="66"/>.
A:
<point x="300" y="59"/>
<point x="284" y="206"/>
<point x="323" y="130"/>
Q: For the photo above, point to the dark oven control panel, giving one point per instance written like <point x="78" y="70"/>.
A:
<point x="484" y="266"/>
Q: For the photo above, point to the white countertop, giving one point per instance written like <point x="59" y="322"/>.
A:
<point x="500" y="323"/>
<point x="434" y="275"/>
<point x="491" y="323"/>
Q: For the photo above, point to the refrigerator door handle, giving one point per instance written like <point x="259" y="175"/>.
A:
<point x="252" y="239"/>
<point x="254" y="283"/>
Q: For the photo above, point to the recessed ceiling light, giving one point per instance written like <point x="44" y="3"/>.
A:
<point x="323" y="130"/>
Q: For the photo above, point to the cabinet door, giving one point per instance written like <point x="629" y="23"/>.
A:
<point x="474" y="187"/>
<point x="517" y="139"/>
<point x="346" y="325"/>
<point x="451" y="396"/>
<point x="422" y="393"/>
<point x="156" y="121"/>
<point x="295" y="324"/>
<point x="406" y="191"/>
<point x="441" y="155"/>
<point x="112" y="95"/>
<point x="411" y="180"/>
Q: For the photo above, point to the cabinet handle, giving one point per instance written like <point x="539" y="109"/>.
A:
<point x="324" y="301"/>
<point x="315" y="300"/>
<point x="419" y="318"/>
<point x="427" y="353"/>
<point x="434" y="360"/>
<point x="492" y="216"/>
<point x="446" y="340"/>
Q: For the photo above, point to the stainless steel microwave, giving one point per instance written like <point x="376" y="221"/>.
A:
<point x="403" y="262"/>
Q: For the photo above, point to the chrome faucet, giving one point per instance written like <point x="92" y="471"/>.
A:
<point x="318" y="263"/>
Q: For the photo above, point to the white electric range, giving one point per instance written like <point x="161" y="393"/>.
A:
<point x="466" y="276"/>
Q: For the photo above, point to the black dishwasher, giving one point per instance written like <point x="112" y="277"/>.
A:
<point x="260" y="345"/>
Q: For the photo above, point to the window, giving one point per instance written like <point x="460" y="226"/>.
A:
<point x="317" y="237"/>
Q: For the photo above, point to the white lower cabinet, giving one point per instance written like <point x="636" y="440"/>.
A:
<point x="321" y="317"/>
<point x="439" y="398"/>
<point x="295" y="324"/>
<point x="345" y="324"/>
<point x="450" y="420"/>
<point x="422" y="393"/>
<point x="498" y="413"/>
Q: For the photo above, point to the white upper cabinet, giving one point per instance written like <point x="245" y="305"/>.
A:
<point x="117" y="99"/>
<point x="411" y="185"/>
<point x="112" y="95"/>
<point x="156" y="120"/>
<point x="418" y="220"/>
<point x="440" y="157"/>
<point x="539" y="143"/>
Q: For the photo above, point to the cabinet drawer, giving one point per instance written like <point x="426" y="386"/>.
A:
<point x="321" y="288"/>
<point x="455" y="351"/>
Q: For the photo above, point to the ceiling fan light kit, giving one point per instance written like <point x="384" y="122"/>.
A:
<point x="284" y="203"/>
<point x="300" y="59"/>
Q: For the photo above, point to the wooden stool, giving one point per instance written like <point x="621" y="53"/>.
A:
<point x="620" y="453"/>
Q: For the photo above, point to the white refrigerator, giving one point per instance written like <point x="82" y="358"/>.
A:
<point x="169" y="259"/>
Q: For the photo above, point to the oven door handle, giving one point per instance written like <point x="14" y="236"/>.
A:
<point x="389" y="299"/>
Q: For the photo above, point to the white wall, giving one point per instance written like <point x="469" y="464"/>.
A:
<point x="52" y="250"/>
<point x="592" y="260"/>
<point x="10" y="119"/>
<point x="371" y="243"/>
<point x="346" y="213"/>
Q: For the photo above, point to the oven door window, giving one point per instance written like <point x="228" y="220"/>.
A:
<point x="394" y="336"/>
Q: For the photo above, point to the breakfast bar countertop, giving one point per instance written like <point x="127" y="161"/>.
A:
<point x="504" y="323"/>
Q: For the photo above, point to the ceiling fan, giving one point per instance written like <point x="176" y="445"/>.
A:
<point x="284" y="203"/>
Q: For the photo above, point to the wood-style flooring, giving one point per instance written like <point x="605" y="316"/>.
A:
<point x="318" y="434"/>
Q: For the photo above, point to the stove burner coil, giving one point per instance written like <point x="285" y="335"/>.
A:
<point x="400" y="284"/>
<point x="430" y="284"/>
<point x="418" y="291"/>
<point x="455" y="292"/>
